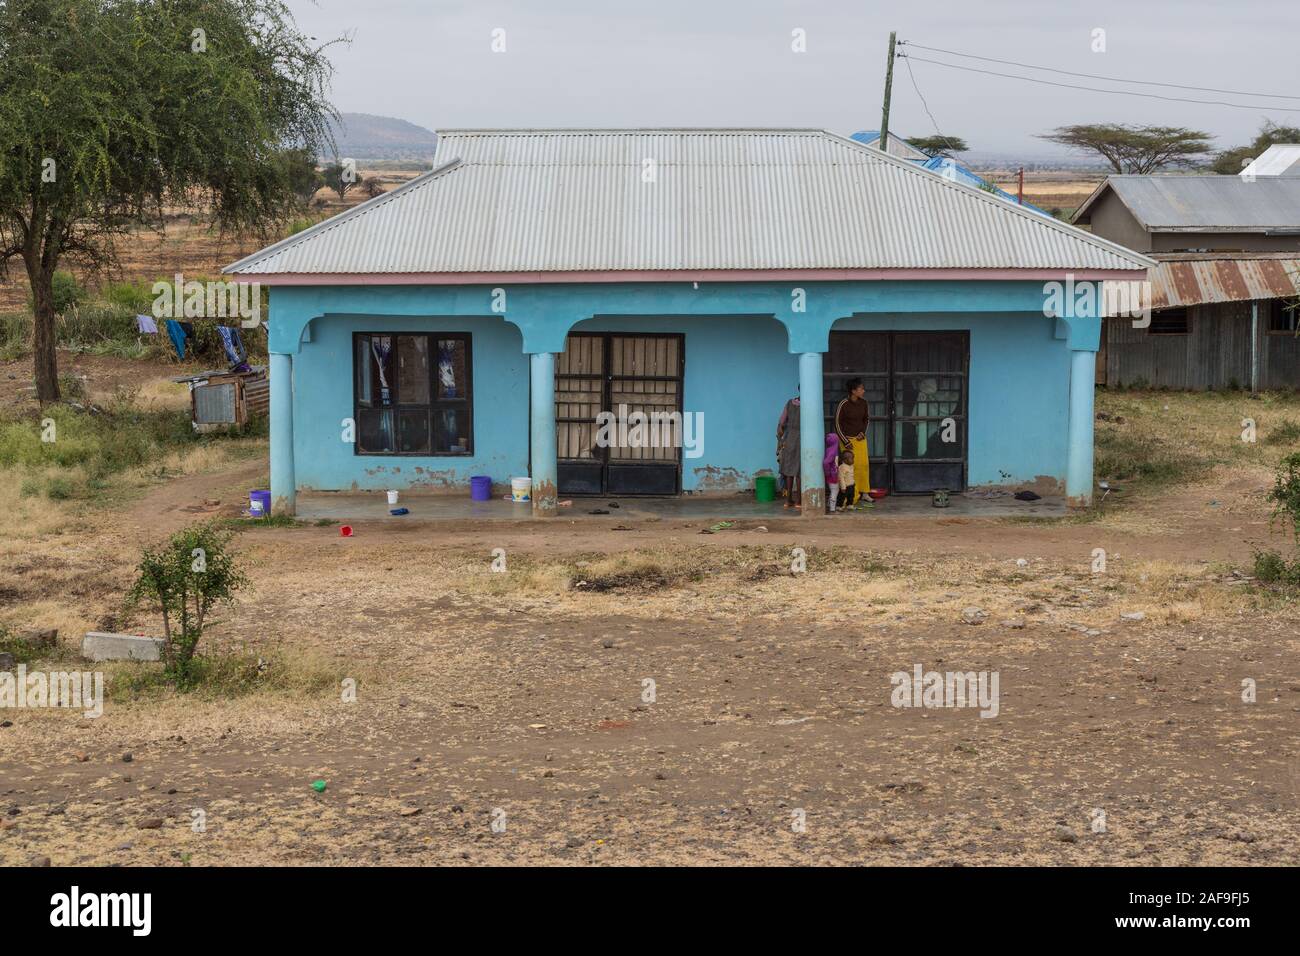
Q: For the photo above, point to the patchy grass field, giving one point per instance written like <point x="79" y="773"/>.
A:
<point x="657" y="695"/>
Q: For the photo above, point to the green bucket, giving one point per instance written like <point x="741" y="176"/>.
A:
<point x="765" y="488"/>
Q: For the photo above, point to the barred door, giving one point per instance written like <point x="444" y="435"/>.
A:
<point x="604" y="384"/>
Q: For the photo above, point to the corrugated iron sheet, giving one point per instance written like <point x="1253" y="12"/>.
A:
<point x="574" y="200"/>
<point x="1192" y="203"/>
<point x="1197" y="281"/>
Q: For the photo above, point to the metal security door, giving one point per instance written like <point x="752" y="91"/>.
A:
<point x="916" y="392"/>
<point x="610" y="377"/>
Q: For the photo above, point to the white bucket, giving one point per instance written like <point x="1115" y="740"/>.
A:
<point x="392" y="497"/>
<point x="521" y="489"/>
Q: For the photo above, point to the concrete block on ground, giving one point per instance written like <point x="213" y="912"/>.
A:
<point x="101" y="646"/>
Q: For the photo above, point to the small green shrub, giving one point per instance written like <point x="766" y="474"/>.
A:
<point x="1286" y="494"/>
<point x="1272" y="568"/>
<point x="186" y="578"/>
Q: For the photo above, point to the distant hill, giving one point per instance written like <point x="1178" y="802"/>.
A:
<point x="364" y="136"/>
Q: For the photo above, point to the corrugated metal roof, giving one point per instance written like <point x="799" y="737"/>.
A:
<point x="578" y="200"/>
<point x="1280" y="159"/>
<point x="1174" y="203"/>
<point x="1192" y="280"/>
<point x="1195" y="279"/>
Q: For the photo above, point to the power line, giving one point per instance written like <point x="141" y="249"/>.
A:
<point x="1097" y="76"/>
<point x="1097" y="89"/>
<point x="926" y="105"/>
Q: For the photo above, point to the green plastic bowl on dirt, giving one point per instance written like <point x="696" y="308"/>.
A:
<point x="765" y="488"/>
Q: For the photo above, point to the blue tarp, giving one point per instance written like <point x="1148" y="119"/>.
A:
<point x="951" y="169"/>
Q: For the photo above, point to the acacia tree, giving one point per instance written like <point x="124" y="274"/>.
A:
<point x="341" y="176"/>
<point x="1135" y="149"/>
<point x="1232" y="161"/>
<point x="112" y="111"/>
<point x="939" y="144"/>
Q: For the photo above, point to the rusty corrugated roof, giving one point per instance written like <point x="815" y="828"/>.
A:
<point x="1197" y="279"/>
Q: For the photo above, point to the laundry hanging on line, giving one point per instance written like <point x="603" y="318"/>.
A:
<point x="233" y="344"/>
<point x="178" y="332"/>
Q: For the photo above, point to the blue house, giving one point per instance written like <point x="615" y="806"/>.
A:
<point x="495" y="315"/>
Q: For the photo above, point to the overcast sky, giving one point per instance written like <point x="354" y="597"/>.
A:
<point x="729" y="63"/>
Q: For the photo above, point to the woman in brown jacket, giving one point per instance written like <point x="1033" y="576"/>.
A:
<point x="852" y="417"/>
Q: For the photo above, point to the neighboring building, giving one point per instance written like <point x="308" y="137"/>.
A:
<point x="897" y="145"/>
<point x="479" y="319"/>
<point x="1225" y="286"/>
<point x="1281" y="159"/>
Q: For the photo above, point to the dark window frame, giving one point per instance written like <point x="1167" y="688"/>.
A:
<point x="1277" y="310"/>
<point x="1187" y="322"/>
<point x="434" y="404"/>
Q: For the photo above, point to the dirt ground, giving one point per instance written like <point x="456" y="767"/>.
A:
<point x="506" y="717"/>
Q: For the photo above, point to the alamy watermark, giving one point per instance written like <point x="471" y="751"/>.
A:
<point x="214" y="299"/>
<point x="1112" y="298"/>
<point x="638" y="429"/>
<point x="932" y="689"/>
<point x="75" y="690"/>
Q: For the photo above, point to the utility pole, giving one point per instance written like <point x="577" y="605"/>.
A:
<point x="889" y="86"/>
<point x="1020" y="189"/>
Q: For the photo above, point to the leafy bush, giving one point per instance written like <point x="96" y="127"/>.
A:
<point x="68" y="293"/>
<point x="1286" y="494"/>
<point x="186" y="579"/>
<point x="134" y="297"/>
<point x="1272" y="568"/>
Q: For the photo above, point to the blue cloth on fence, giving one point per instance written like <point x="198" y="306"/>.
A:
<point x="145" y="324"/>
<point x="177" y="335"/>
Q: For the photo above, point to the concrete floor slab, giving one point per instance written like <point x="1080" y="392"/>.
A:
<point x="444" y="507"/>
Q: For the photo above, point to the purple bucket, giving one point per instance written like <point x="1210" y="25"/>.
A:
<point x="262" y="496"/>
<point x="480" y="487"/>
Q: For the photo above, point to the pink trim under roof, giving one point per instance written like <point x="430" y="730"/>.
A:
<point x="663" y="275"/>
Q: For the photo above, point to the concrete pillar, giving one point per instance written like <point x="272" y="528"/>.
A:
<point x="1078" y="469"/>
<point x="542" y="366"/>
<point x="812" y="434"/>
<point x="283" y="484"/>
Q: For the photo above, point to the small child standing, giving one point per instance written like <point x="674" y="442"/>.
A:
<point x="831" y="469"/>
<point x="848" y="490"/>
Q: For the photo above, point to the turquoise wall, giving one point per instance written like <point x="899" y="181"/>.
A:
<point x="322" y="378"/>
<point x="741" y="367"/>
